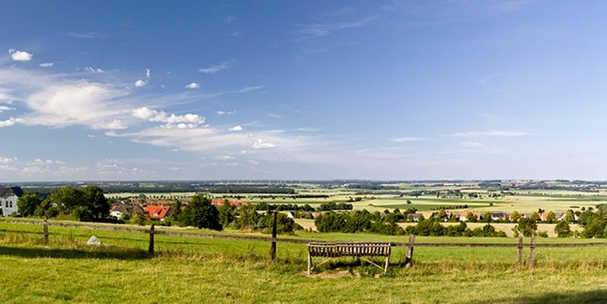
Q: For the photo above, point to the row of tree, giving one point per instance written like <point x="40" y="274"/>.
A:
<point x="88" y="204"/>
<point x="201" y="214"/>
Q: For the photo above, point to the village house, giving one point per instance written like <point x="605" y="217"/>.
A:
<point x="467" y="215"/>
<point x="499" y="216"/>
<point x="118" y="210"/>
<point x="8" y="200"/>
<point x="157" y="212"/>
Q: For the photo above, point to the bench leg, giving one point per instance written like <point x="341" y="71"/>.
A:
<point x="309" y="264"/>
<point x="386" y="267"/>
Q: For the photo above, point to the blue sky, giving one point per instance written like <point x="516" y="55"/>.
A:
<point x="384" y="90"/>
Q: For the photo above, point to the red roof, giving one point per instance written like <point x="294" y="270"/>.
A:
<point x="157" y="211"/>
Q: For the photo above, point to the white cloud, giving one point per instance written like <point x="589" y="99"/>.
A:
<point x="140" y="83"/>
<point x="275" y="116"/>
<point x="193" y="85"/>
<point x="491" y="133"/>
<point x="260" y="144"/>
<point x="90" y="136"/>
<point x="6" y="160"/>
<point x="40" y="162"/>
<point x="225" y="113"/>
<point x="62" y="104"/>
<point x="47" y="64"/>
<point x="10" y="122"/>
<point x="147" y="73"/>
<point x="20" y="55"/>
<point x="236" y="128"/>
<point x="7" y="168"/>
<point x="225" y="157"/>
<point x="94" y="70"/>
<point x="187" y="121"/>
<point x="35" y="170"/>
<point x="214" y="68"/>
<point x="407" y="139"/>
<point x="5" y="108"/>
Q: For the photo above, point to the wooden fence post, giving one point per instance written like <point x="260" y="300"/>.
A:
<point x="45" y="232"/>
<point x="410" y="246"/>
<point x="151" y="246"/>
<point x="273" y="248"/>
<point x="531" y="252"/>
<point x="520" y="250"/>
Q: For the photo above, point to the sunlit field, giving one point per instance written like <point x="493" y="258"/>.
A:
<point x="203" y="270"/>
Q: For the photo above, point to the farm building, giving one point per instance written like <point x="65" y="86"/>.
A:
<point x="8" y="200"/>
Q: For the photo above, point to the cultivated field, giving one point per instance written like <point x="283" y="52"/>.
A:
<point x="203" y="270"/>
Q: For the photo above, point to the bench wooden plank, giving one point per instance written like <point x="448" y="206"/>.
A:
<point x="357" y="249"/>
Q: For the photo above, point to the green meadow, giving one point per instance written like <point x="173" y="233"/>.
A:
<point x="211" y="270"/>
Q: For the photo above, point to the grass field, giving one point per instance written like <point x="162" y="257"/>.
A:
<point x="203" y="270"/>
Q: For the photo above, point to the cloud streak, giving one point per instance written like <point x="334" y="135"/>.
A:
<point x="492" y="133"/>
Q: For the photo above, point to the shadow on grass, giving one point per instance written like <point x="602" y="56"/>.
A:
<point x="63" y="253"/>
<point x="584" y="297"/>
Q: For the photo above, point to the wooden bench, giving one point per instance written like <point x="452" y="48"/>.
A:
<point x="354" y="249"/>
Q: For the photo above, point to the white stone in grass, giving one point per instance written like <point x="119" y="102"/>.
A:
<point x="93" y="241"/>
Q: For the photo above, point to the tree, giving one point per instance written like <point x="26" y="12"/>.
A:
<point x="201" y="214"/>
<point x="176" y="212"/>
<point x="227" y="213"/>
<point x="562" y="229"/>
<point x="526" y="226"/>
<point x="487" y="217"/>
<point x="248" y="217"/>
<point x="570" y="216"/>
<point x="138" y="218"/>
<point x="535" y="216"/>
<point x="28" y="203"/>
<point x="96" y="203"/>
<point x="66" y="199"/>
<point x="515" y="216"/>
<point x="551" y="217"/>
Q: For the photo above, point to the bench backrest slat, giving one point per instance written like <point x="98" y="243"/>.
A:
<point x="349" y="249"/>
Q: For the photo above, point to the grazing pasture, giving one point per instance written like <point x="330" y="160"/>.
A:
<point x="206" y="270"/>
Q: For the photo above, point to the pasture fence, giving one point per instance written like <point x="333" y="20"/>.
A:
<point x="408" y="260"/>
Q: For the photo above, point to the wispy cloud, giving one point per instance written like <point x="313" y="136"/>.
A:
<point x="407" y="139"/>
<point x="492" y="133"/>
<point x="309" y="129"/>
<point x="85" y="35"/>
<point x="93" y="70"/>
<point x="47" y="64"/>
<point x="275" y="116"/>
<point x="17" y="55"/>
<point x="5" y="108"/>
<point x="216" y="67"/>
<point x="314" y="30"/>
